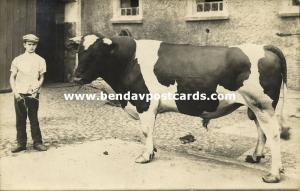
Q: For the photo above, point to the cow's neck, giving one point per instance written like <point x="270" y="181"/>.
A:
<point x="113" y="75"/>
<point x="120" y="62"/>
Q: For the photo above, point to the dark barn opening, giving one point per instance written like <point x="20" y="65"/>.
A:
<point x="50" y="29"/>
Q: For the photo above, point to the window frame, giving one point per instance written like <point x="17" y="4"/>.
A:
<point x="287" y="9"/>
<point x="193" y="15"/>
<point x="118" y="18"/>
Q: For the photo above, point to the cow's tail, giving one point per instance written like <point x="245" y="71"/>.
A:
<point x="285" y="134"/>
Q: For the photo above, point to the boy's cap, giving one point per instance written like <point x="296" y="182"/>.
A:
<point x="30" y="38"/>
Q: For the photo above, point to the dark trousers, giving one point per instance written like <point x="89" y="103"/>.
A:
<point x="27" y="106"/>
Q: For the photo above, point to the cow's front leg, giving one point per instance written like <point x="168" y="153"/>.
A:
<point x="147" y="120"/>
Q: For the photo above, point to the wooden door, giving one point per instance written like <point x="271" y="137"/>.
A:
<point x="17" y="17"/>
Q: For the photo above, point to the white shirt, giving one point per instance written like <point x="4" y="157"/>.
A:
<point x="29" y="67"/>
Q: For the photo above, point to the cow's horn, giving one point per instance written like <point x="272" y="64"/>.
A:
<point x="107" y="41"/>
<point x="76" y="39"/>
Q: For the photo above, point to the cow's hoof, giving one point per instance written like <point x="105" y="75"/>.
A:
<point x="142" y="159"/>
<point x="205" y="122"/>
<point x="251" y="159"/>
<point x="270" y="178"/>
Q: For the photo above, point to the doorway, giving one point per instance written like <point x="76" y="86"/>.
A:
<point x="50" y="29"/>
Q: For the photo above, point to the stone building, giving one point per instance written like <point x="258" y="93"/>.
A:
<point x="202" y="22"/>
<point x="199" y="22"/>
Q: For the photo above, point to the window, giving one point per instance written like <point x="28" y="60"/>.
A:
<point x="127" y="11"/>
<point x="207" y="10"/>
<point x="209" y="5"/>
<point x="129" y="7"/>
<point x="289" y="8"/>
<point x="295" y="2"/>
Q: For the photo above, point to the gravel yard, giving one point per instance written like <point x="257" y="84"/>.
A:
<point x="74" y="122"/>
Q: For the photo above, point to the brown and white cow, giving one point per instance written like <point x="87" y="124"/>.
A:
<point x="253" y="73"/>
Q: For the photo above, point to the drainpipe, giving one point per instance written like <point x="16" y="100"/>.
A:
<point x="207" y="36"/>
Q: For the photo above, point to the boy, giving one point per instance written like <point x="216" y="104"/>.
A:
<point x="27" y="76"/>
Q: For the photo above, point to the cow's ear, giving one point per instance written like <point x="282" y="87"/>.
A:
<point x="73" y="43"/>
<point x="110" y="44"/>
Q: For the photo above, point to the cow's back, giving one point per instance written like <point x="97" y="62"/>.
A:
<point x="201" y="67"/>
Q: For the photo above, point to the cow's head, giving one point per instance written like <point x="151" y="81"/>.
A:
<point x="94" y="53"/>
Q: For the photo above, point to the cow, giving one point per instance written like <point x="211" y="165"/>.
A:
<point x="253" y="73"/>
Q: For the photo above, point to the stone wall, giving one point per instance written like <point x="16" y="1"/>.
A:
<point x="255" y="21"/>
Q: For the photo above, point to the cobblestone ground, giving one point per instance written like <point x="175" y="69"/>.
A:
<point x="74" y="122"/>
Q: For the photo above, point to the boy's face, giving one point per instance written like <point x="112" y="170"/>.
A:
<point x="30" y="46"/>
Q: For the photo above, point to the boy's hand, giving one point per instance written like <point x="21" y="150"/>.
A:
<point x="35" y="90"/>
<point x="34" y="95"/>
<point x="18" y="96"/>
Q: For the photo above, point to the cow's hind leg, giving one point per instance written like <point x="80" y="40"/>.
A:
<point x="261" y="141"/>
<point x="147" y="120"/>
<point x="267" y="120"/>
